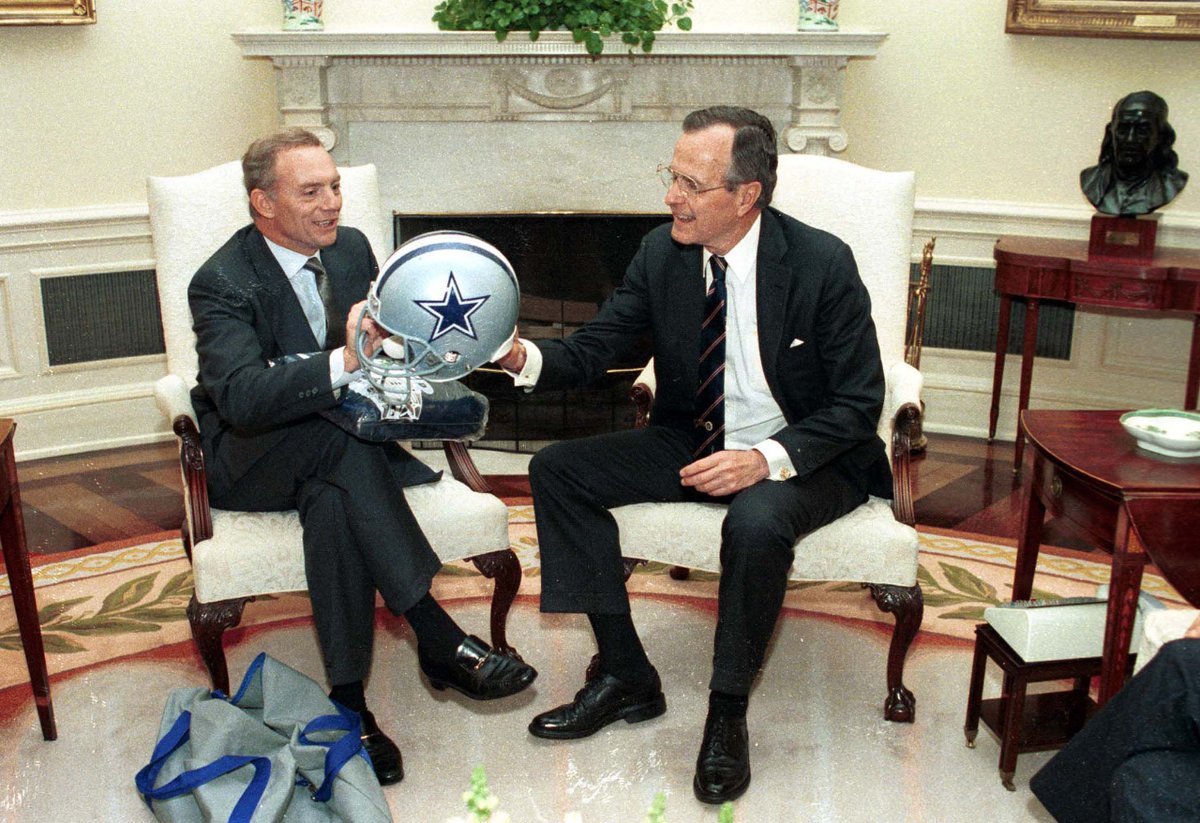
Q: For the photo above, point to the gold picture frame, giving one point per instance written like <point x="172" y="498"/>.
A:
<point x="47" y="12"/>
<point x="1156" y="19"/>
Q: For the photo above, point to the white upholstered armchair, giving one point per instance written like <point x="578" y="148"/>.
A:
<point x="237" y="556"/>
<point x="876" y="543"/>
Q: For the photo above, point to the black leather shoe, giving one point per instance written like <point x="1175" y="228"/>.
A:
<point x="601" y="701"/>
<point x="723" y="766"/>
<point x="478" y="671"/>
<point x="384" y="754"/>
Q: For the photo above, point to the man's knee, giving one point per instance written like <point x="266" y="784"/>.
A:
<point x="550" y="461"/>
<point x="756" y="517"/>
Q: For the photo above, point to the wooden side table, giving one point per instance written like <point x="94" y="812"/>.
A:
<point x="1139" y="507"/>
<point x="16" y="562"/>
<point x="1033" y="269"/>
<point x="1026" y="723"/>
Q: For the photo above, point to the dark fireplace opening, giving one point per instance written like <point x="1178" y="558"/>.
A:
<point x="567" y="266"/>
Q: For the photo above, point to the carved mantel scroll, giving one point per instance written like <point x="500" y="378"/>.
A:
<point x="330" y="80"/>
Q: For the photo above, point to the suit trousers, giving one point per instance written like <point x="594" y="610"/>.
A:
<point x="576" y="482"/>
<point x="359" y="534"/>
<point x="1138" y="758"/>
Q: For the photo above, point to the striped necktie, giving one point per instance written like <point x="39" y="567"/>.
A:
<point x="335" y="332"/>
<point x="710" y="397"/>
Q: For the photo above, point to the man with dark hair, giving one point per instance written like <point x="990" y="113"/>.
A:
<point x="770" y="388"/>
<point x="293" y="282"/>
<point x="1138" y="169"/>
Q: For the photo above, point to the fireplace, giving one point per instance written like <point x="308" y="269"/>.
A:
<point x="464" y="128"/>
<point x="567" y="265"/>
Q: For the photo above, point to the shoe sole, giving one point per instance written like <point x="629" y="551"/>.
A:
<point x="442" y="685"/>
<point x="635" y="713"/>
<point x="724" y="797"/>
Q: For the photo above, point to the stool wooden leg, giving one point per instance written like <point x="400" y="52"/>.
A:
<point x="1014" y="716"/>
<point x="975" y="693"/>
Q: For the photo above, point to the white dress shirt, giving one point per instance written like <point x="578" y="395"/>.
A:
<point x="751" y="413"/>
<point x="304" y="284"/>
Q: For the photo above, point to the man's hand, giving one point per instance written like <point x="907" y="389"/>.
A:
<point x="514" y="361"/>
<point x="374" y="334"/>
<point x="726" y="472"/>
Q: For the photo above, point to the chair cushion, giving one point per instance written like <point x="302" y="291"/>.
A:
<point x="253" y="553"/>
<point x="867" y="545"/>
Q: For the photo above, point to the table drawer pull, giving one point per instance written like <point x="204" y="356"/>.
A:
<point x="1056" y="486"/>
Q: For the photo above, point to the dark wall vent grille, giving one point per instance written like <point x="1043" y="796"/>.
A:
<point x="963" y="309"/>
<point x="101" y="316"/>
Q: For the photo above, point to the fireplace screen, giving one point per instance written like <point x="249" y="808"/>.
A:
<point x="567" y="265"/>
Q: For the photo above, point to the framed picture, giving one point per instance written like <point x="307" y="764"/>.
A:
<point x="46" y="12"/>
<point x="1160" y="19"/>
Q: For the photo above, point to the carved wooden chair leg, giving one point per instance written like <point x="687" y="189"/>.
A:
<point x="209" y="622"/>
<point x="908" y="606"/>
<point x="503" y="568"/>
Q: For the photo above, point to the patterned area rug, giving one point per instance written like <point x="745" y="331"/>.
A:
<point x="115" y="601"/>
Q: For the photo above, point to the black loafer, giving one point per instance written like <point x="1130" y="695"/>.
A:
<point x="723" y="766"/>
<point x="384" y="754"/>
<point x="478" y="671"/>
<point x="602" y="700"/>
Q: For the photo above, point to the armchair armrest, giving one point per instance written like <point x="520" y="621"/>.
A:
<point x="173" y="398"/>
<point x="904" y="386"/>
<point x="904" y="406"/>
<point x="642" y="394"/>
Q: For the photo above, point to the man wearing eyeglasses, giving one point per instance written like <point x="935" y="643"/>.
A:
<point x="769" y="390"/>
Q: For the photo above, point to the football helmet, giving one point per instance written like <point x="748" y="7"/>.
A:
<point x="449" y="302"/>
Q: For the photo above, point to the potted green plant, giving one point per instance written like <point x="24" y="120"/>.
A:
<point x="589" y="21"/>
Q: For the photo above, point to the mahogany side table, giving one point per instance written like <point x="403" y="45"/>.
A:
<point x="1135" y="505"/>
<point x="1033" y="269"/>
<point x="16" y="562"/>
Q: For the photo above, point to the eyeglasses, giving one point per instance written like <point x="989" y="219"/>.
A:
<point x="688" y="187"/>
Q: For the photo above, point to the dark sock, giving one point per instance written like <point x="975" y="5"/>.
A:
<point x="437" y="633"/>
<point x="351" y="695"/>
<point x="621" y="652"/>
<point x="728" y="705"/>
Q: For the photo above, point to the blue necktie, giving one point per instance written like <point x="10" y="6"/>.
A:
<point x="710" y="397"/>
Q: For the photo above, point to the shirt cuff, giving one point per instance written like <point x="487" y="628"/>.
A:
<point x="532" y="370"/>
<point x="779" y="464"/>
<point x="338" y="376"/>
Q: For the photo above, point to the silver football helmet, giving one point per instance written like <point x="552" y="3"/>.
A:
<point x="449" y="302"/>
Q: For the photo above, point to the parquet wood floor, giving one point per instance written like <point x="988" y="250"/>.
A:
<point x="78" y="501"/>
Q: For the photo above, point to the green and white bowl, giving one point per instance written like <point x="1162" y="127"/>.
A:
<point x="1165" y="431"/>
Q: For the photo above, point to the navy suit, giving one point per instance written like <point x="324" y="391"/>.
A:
<point x="830" y="387"/>
<point x="1138" y="758"/>
<point x="267" y="449"/>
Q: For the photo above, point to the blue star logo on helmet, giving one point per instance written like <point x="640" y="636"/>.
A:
<point x="453" y="311"/>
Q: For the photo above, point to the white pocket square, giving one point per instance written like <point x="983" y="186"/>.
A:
<point x="795" y="343"/>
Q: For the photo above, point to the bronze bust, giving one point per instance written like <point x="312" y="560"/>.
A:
<point x="1138" y="169"/>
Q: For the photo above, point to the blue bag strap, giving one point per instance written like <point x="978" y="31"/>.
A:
<point x="189" y="781"/>
<point x="175" y="737"/>
<point x="251" y="673"/>
<point x="341" y="750"/>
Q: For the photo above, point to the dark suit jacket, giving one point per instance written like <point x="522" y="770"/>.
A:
<point x="244" y="313"/>
<point x="830" y="387"/>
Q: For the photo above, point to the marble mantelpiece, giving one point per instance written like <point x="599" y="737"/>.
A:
<point x="490" y="115"/>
